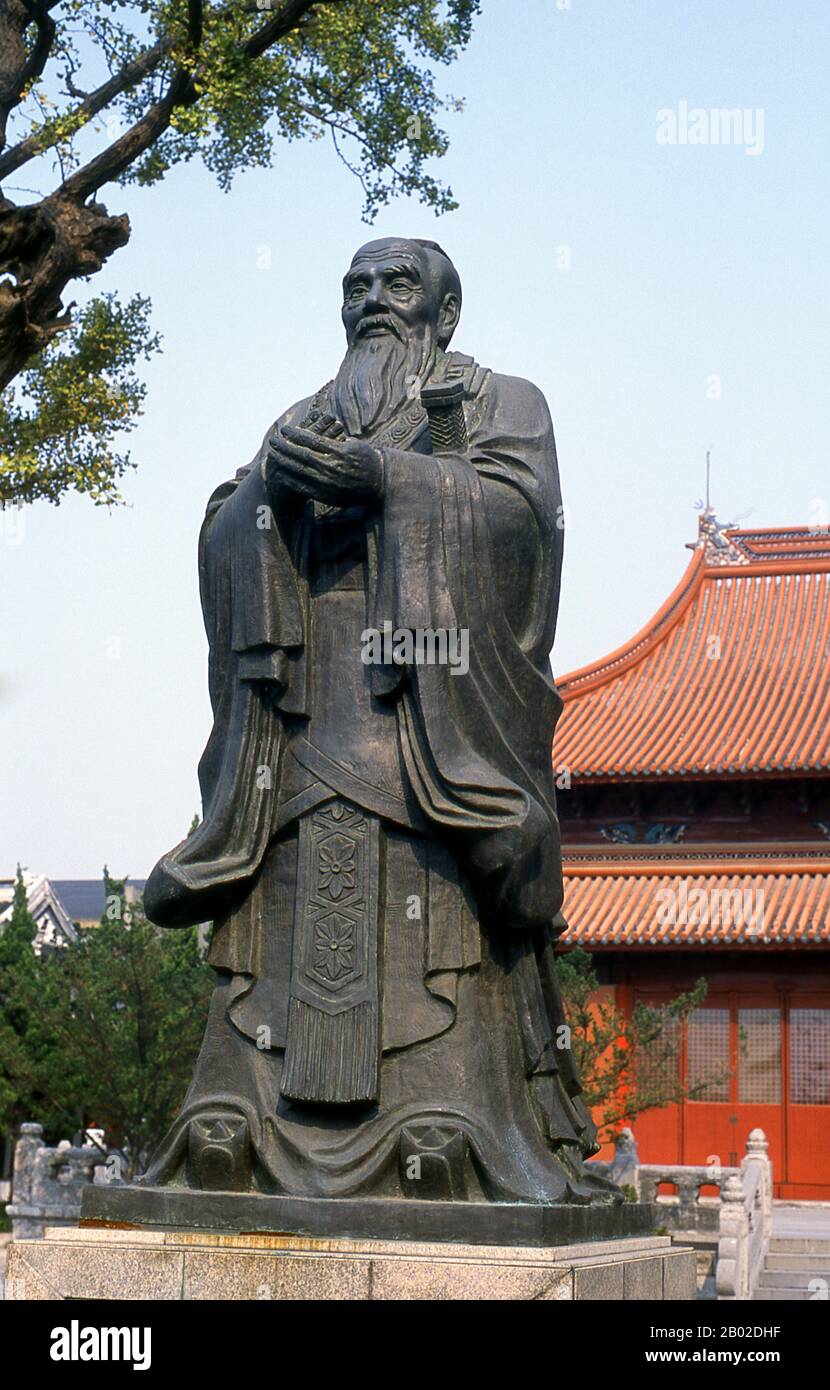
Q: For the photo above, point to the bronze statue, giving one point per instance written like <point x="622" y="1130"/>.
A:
<point x="380" y="850"/>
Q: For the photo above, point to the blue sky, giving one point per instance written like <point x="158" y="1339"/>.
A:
<point x="667" y="299"/>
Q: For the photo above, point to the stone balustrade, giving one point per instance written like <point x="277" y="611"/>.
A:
<point x="684" y="1210"/>
<point x="47" y="1183"/>
<point x="730" y="1230"/>
<point x="745" y="1225"/>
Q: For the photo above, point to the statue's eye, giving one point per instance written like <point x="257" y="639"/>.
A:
<point x="401" y="286"/>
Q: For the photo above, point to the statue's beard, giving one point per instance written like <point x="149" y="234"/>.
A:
<point x="378" y="376"/>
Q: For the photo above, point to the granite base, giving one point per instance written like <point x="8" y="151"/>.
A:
<point x="129" y="1265"/>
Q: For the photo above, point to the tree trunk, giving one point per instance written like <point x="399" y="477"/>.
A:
<point x="43" y="247"/>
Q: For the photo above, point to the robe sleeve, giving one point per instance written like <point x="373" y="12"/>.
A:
<point x="477" y="746"/>
<point x="254" y="610"/>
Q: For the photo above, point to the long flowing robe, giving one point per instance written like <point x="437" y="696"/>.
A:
<point x="471" y="1035"/>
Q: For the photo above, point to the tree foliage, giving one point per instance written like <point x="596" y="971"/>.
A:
<point x="95" y="93"/>
<point x="17" y="977"/>
<point x="70" y="402"/>
<point x="627" y="1065"/>
<point x="112" y="1028"/>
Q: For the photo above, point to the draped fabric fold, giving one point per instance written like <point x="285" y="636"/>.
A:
<point x="474" y="749"/>
<point x="457" y="1000"/>
<point x="477" y="749"/>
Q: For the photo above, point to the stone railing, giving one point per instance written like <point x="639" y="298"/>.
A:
<point x="730" y="1231"/>
<point x="47" y="1183"/>
<point x="682" y="1210"/>
<point x="745" y="1224"/>
<point x="685" y="1210"/>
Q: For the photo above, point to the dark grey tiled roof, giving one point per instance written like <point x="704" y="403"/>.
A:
<point x="83" y="898"/>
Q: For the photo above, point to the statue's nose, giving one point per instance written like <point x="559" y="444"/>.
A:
<point x="374" y="299"/>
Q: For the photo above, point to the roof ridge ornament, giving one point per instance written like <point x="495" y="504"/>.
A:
<point x="718" y="546"/>
<point x="712" y="539"/>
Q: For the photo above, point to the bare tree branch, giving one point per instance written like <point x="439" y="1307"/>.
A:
<point x="285" y="20"/>
<point x="43" y="247"/>
<point x="39" y="14"/>
<point x="124" y="151"/>
<point x="336" y="125"/>
<point x="115" y="160"/>
<point x="19" y="64"/>
<point x="194" y="22"/>
<point x="129" y="76"/>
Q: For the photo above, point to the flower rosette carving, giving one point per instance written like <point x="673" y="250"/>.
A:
<point x="337" y="866"/>
<point x="333" y="946"/>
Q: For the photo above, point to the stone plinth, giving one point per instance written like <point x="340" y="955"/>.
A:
<point x="133" y="1206"/>
<point x="177" y="1265"/>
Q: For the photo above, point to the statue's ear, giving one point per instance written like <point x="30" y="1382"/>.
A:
<point x="448" y="316"/>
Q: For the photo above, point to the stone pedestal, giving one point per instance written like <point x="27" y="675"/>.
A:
<point x="129" y="1206"/>
<point x="177" y="1265"/>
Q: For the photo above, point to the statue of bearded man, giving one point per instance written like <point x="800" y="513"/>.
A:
<point x="379" y="850"/>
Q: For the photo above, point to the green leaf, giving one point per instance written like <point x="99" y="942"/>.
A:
<point x="58" y="427"/>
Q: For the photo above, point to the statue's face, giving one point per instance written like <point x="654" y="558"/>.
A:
<point x="389" y="290"/>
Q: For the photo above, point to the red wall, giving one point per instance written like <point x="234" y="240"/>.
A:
<point x="768" y="1044"/>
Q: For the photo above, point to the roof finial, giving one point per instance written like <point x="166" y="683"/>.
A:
<point x="707" y="525"/>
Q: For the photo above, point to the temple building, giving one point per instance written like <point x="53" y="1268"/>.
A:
<point x="54" y="925"/>
<point x="61" y="905"/>
<point x="696" y="837"/>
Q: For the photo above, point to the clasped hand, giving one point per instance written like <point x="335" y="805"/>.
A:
<point x="330" y="470"/>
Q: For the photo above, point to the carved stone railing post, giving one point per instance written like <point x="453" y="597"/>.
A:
<point x="730" y="1277"/>
<point x="26" y="1151"/>
<point x="47" y="1183"/>
<point x="740" y="1220"/>
<point x="745" y="1223"/>
<point x="756" y="1171"/>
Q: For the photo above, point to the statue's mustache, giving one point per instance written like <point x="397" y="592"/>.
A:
<point x="378" y="321"/>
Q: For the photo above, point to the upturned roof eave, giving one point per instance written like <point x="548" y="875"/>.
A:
<point x="586" y="678"/>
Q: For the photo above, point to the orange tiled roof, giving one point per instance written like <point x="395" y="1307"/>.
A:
<point x="731" y="676"/>
<point x="630" y="897"/>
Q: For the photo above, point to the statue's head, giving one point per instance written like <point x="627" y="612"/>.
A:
<point x="401" y="303"/>
<point x="400" y="285"/>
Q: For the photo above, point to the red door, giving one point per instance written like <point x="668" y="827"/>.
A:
<point x="807" y="1097"/>
<point x="752" y="1059"/>
<point x="734" y="1050"/>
